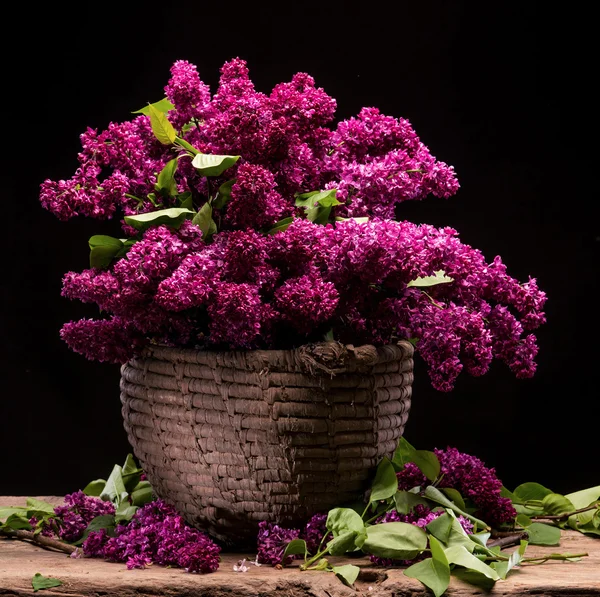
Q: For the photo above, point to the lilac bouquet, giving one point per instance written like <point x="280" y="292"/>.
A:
<point x="250" y="221"/>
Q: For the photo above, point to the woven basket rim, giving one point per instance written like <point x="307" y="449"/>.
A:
<point x="330" y="357"/>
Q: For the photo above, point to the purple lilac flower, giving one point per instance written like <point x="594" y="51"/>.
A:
<point x="314" y="532"/>
<point x="157" y="535"/>
<point x="190" y="96"/>
<point x="271" y="542"/>
<point x="254" y="201"/>
<point x="468" y="475"/>
<point x="237" y="314"/>
<point x="411" y="476"/>
<point x="93" y="546"/>
<point x="307" y="301"/>
<point x="71" y="519"/>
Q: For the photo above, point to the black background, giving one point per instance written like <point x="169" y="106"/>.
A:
<point x="504" y="93"/>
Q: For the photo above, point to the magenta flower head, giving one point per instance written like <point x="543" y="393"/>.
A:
<point x="271" y="542"/>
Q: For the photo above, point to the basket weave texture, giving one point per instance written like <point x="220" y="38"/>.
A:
<point x="233" y="438"/>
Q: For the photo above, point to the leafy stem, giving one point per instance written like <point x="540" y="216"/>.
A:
<point x="565" y="514"/>
<point x="316" y="557"/>
<point x="553" y="556"/>
<point x="183" y="143"/>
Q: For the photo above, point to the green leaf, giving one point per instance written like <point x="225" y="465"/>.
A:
<point x="427" y="461"/>
<point x="592" y="527"/>
<point x="543" y="534"/>
<point x="17" y="521"/>
<point x="318" y="204"/>
<point x="556" y="504"/>
<point x="585" y="497"/>
<point x="103" y="249"/>
<point x="322" y="198"/>
<point x="480" y="538"/>
<point x="395" y="540"/>
<point x="406" y="501"/>
<point x="94" y="488"/>
<point x="328" y="336"/>
<point x="440" y="527"/>
<point x="9" y="511"/>
<point x="281" y="225"/>
<point x="224" y="194"/>
<point x="39" y="506"/>
<point x="164" y="105"/>
<point x="520" y="509"/>
<point x="523" y="520"/>
<point x="344" y="542"/>
<point x="439" y="277"/>
<point x="131" y="473"/>
<point x="504" y="567"/>
<point x="437" y="496"/>
<point x="454" y="496"/>
<point x="104" y="521"/>
<point x="204" y="220"/>
<point x="142" y="495"/>
<point x="340" y="520"/>
<point x="295" y="547"/>
<point x="125" y="511"/>
<point x="433" y="572"/>
<point x="39" y="582"/>
<point x="385" y="484"/>
<point x="507" y="494"/>
<point x="173" y="217"/>
<point x="347" y="573"/>
<point x="185" y="200"/>
<point x="318" y="214"/>
<point x="130" y="466"/>
<point x="530" y="491"/>
<point x="458" y="555"/>
<point x="165" y="182"/>
<point x="114" y="490"/>
<point x="213" y="165"/>
<point x="161" y="127"/>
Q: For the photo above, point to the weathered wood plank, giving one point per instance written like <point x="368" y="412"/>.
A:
<point x="19" y="561"/>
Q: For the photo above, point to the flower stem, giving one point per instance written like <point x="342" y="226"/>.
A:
<point x="565" y="515"/>
<point x="183" y="143"/>
<point x="40" y="540"/>
<point x="553" y="556"/>
<point x="314" y="559"/>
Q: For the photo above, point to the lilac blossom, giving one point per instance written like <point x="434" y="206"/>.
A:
<point x="471" y="478"/>
<point x="315" y="533"/>
<point x="476" y="482"/>
<point x="71" y="519"/>
<point x="156" y="534"/>
<point x="254" y="201"/>
<point x="271" y="542"/>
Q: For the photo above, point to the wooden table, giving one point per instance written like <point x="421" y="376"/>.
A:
<point x="19" y="561"/>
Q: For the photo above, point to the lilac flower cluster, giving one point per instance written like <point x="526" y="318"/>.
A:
<point x="248" y="289"/>
<point x="72" y="518"/>
<point x="251" y="290"/>
<point x="471" y="478"/>
<point x="271" y="542"/>
<point x="156" y="535"/>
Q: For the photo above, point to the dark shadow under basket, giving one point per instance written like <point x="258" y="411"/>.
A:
<point x="233" y="438"/>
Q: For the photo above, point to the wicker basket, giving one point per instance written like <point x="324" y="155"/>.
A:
<point x="233" y="438"/>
